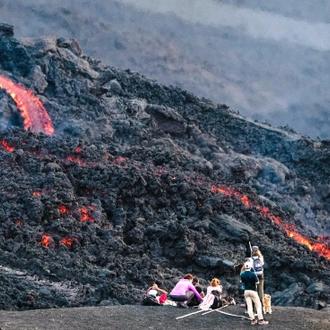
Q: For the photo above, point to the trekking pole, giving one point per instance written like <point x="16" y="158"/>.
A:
<point x="213" y="310"/>
<point x="181" y="317"/>
<point x="250" y="248"/>
<point x="235" y="315"/>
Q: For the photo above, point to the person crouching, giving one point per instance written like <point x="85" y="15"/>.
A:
<point x="184" y="291"/>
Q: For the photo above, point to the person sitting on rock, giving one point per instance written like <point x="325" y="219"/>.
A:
<point x="184" y="291"/>
<point x="214" y="285"/>
<point x="157" y="292"/>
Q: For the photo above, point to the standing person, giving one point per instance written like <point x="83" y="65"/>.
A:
<point x="195" y="301"/>
<point x="184" y="291"/>
<point x="250" y="281"/>
<point x="258" y="266"/>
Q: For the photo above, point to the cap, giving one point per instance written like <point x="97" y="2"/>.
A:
<point x="248" y="265"/>
<point x="153" y="293"/>
<point x="255" y="248"/>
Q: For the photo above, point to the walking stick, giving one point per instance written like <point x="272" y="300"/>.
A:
<point x="240" y="316"/>
<point x="181" y="317"/>
<point x="213" y="310"/>
<point x="202" y="310"/>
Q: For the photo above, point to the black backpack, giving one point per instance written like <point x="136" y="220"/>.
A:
<point x="217" y="302"/>
<point x="257" y="266"/>
<point x="150" y="301"/>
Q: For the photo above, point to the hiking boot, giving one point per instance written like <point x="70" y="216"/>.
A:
<point x="262" y="322"/>
<point x="182" y="305"/>
<point x="253" y="322"/>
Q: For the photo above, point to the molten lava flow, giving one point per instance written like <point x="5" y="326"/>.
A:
<point x="46" y="240"/>
<point x="32" y="110"/>
<point x="85" y="214"/>
<point x="76" y="160"/>
<point x="69" y="240"/>
<point x="6" y="146"/>
<point x="63" y="209"/>
<point x="289" y="229"/>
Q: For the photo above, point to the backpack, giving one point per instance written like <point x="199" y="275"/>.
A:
<point x="257" y="266"/>
<point x="217" y="302"/>
<point x="149" y="300"/>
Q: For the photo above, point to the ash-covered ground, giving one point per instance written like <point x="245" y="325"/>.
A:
<point x="142" y="181"/>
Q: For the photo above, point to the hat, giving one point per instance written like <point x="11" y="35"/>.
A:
<point x="153" y="293"/>
<point x="255" y="248"/>
<point x="248" y="265"/>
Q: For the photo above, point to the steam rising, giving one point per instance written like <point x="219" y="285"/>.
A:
<point x="255" y="23"/>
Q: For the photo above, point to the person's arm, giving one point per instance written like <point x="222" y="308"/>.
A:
<point x="156" y="287"/>
<point x="193" y="289"/>
<point x="262" y="260"/>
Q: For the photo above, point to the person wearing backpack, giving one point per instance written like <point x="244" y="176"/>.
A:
<point x="258" y="267"/>
<point x="250" y="281"/>
<point x="213" y="298"/>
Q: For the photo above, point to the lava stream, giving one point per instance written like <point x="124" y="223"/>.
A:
<point x="32" y="110"/>
<point x="290" y="230"/>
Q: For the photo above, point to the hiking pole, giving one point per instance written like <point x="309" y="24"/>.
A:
<point x="240" y="316"/>
<point x="213" y="310"/>
<point x="181" y="317"/>
<point x="250" y="248"/>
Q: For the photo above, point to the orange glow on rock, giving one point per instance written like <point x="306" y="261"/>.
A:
<point x="63" y="209"/>
<point x="36" y="193"/>
<point x="76" y="160"/>
<point x="84" y="214"/>
<point x="6" y="146"/>
<point x="46" y="240"/>
<point x="69" y="240"/>
<point x="289" y="229"/>
<point x="35" y="116"/>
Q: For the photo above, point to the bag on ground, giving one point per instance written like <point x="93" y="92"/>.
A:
<point x="149" y="300"/>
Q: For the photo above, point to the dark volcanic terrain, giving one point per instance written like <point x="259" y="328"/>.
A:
<point x="142" y="181"/>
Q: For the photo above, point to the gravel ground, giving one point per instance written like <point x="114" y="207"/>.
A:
<point x="134" y="317"/>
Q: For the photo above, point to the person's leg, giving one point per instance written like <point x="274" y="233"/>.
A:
<point x="189" y="296"/>
<point x="248" y="300"/>
<point x="255" y="298"/>
<point x="261" y="288"/>
<point x="178" y="298"/>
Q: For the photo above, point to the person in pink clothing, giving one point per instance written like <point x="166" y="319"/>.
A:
<point x="184" y="291"/>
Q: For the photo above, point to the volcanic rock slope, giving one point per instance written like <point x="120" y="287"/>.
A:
<point x="141" y="181"/>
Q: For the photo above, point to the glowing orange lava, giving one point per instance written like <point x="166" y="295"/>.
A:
<point x="76" y="160"/>
<point x="6" y="146"/>
<point x="69" y="240"/>
<point x="32" y="110"/>
<point x="289" y="229"/>
<point x="85" y="216"/>
<point x="63" y="209"/>
<point x="46" y="240"/>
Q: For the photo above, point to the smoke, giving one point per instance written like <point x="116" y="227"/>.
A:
<point x="255" y="23"/>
